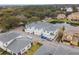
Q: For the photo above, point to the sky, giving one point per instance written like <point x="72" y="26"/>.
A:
<point x="37" y="2"/>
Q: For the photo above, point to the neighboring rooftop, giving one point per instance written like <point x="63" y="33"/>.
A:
<point x="43" y="25"/>
<point x="72" y="30"/>
<point x="61" y="16"/>
<point x="8" y="36"/>
<point x="74" y="16"/>
<point x="71" y="34"/>
<point x="20" y="43"/>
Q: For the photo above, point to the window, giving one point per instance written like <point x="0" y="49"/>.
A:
<point x="28" y="46"/>
<point x="51" y="33"/>
<point x="47" y="32"/>
<point x="6" y="43"/>
<point x="23" y="50"/>
<point x="69" y="37"/>
<point x="19" y="53"/>
<point x="66" y="41"/>
<point x="14" y="54"/>
<point x="44" y="30"/>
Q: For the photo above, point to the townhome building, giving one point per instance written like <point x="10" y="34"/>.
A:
<point x="15" y="43"/>
<point x="71" y="36"/>
<point x="43" y="29"/>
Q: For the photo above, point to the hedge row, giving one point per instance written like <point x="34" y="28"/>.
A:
<point x="71" y="23"/>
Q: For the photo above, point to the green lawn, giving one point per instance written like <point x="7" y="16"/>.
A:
<point x="5" y="53"/>
<point x="58" y="20"/>
<point x="32" y="50"/>
<point x="74" y="23"/>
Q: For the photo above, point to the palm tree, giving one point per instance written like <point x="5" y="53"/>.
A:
<point x="60" y="34"/>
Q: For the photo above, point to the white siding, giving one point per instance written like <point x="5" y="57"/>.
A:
<point x="41" y="31"/>
<point x="8" y="50"/>
<point x="69" y="9"/>
<point x="36" y="31"/>
<point x="46" y="33"/>
<point x="30" y="30"/>
<point x="25" y="30"/>
<point x="2" y="46"/>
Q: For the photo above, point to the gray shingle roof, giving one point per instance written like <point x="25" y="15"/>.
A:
<point x="19" y="44"/>
<point x="43" y="25"/>
<point x="8" y="36"/>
